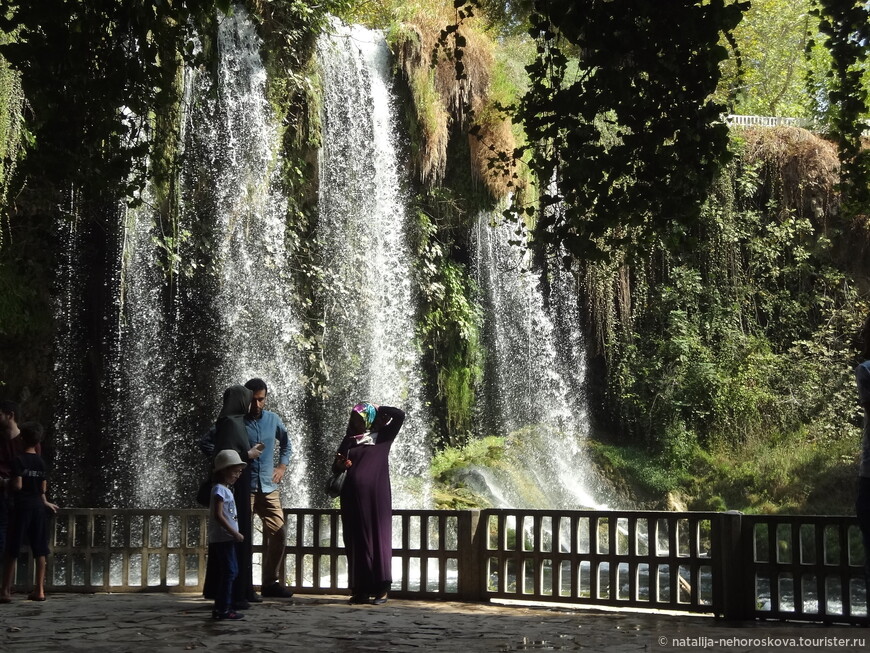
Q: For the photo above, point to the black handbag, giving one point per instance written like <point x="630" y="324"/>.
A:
<point x="335" y="482"/>
<point x="203" y="494"/>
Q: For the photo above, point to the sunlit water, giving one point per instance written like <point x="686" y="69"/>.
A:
<point x="368" y="301"/>
<point x="535" y="374"/>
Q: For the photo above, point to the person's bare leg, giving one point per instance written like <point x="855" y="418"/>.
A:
<point x="8" y="572"/>
<point x="38" y="594"/>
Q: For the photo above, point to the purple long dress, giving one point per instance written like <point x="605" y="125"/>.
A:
<point x="367" y="509"/>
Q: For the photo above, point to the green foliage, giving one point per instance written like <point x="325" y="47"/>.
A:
<point x="745" y="337"/>
<point x="649" y="478"/>
<point x="449" y="330"/>
<point x="290" y="29"/>
<point x="448" y="465"/>
<point x="847" y="28"/>
<point x="11" y="133"/>
<point x="509" y="17"/>
<point x="24" y="307"/>
<point x="484" y="452"/>
<point x="775" y="49"/>
<point x="92" y="73"/>
<point x="667" y="146"/>
<point x="791" y="474"/>
<point x="378" y="14"/>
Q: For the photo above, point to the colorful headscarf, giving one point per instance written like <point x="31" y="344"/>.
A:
<point x="367" y="412"/>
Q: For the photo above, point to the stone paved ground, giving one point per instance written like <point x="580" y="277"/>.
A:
<point x="181" y="622"/>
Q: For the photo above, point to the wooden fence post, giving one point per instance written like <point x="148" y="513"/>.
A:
<point x="731" y="598"/>
<point x="471" y="542"/>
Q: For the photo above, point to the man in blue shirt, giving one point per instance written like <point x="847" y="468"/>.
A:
<point x="265" y="427"/>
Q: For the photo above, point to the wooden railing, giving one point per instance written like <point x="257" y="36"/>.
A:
<point x="806" y="568"/>
<point x="652" y="560"/>
<point x="728" y="564"/>
<point x="733" y="120"/>
<point x="127" y="550"/>
<point x="767" y="121"/>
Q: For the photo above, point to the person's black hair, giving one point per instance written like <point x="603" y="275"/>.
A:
<point x="255" y="385"/>
<point x="9" y="407"/>
<point x="31" y="433"/>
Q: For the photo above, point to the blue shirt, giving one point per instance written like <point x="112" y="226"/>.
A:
<point x="216" y="532"/>
<point x="270" y="431"/>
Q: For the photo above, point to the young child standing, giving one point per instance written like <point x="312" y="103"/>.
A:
<point x="223" y="531"/>
<point x="27" y="523"/>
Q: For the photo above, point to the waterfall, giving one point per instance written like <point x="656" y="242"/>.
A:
<point x="229" y="310"/>
<point x="230" y="314"/>
<point x="368" y="300"/>
<point x="237" y="135"/>
<point x="535" y="372"/>
<point x="69" y="361"/>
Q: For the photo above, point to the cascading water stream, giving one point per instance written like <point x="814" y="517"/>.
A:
<point x="534" y="374"/>
<point x="368" y="300"/>
<point x="68" y="359"/>
<point x="227" y="319"/>
<point x="236" y="138"/>
<point x="229" y="312"/>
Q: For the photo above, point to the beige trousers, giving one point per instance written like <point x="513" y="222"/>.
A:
<point x="268" y="508"/>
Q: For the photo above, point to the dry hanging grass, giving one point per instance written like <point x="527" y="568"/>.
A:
<point x="493" y="137"/>
<point x="412" y="44"/>
<point x="441" y="101"/>
<point x="803" y="168"/>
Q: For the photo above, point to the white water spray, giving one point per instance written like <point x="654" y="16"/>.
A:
<point x="368" y="300"/>
<point x="536" y="371"/>
<point x="228" y="188"/>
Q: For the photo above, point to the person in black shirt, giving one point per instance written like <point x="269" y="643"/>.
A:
<point x="27" y="523"/>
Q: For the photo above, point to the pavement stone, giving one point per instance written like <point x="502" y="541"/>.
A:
<point x="129" y="623"/>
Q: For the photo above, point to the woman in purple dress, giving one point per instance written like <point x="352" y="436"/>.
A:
<point x="366" y="499"/>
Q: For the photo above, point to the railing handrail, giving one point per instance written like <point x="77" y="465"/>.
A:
<point x="805" y="567"/>
<point x="742" y="120"/>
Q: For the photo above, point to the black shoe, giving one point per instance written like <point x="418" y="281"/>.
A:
<point x="275" y="590"/>
<point x="358" y="600"/>
<point x="229" y="614"/>
<point x="241" y="605"/>
<point x="253" y="597"/>
<point x="380" y="600"/>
